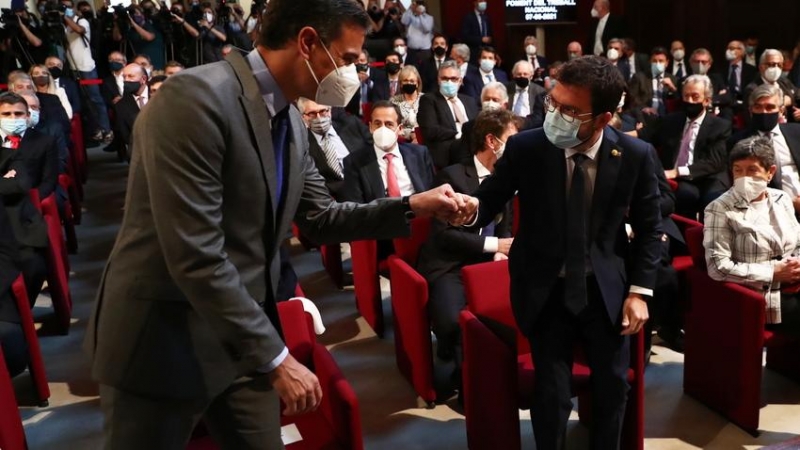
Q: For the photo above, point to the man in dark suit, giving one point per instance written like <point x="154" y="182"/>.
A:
<point x="476" y="29"/>
<point x="478" y="77"/>
<point x="19" y="166"/>
<point x="429" y="70"/>
<point x="12" y="338"/>
<point x="737" y="74"/>
<point x="650" y="90"/>
<point x="679" y="66"/>
<point x="386" y="83"/>
<point x="134" y="97"/>
<point x="56" y="68"/>
<point x="770" y="72"/>
<point x="766" y="107"/>
<point x="50" y="106"/>
<point x="442" y="115"/>
<point x="574" y="275"/>
<point x="605" y="27"/>
<point x="531" y="47"/>
<point x="448" y="248"/>
<point x="632" y="62"/>
<point x="185" y="325"/>
<point x="525" y="98"/>
<point x="701" y="62"/>
<point x="692" y="146"/>
<point x="362" y="96"/>
<point x="331" y="135"/>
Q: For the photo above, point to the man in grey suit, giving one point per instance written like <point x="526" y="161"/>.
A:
<point x="185" y="325"/>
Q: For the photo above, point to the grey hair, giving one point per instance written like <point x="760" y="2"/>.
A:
<point x="461" y="50"/>
<point x="704" y="51"/>
<point x="769" y="52"/>
<point x="615" y="41"/>
<point x="496" y="86"/>
<point x="765" y="90"/>
<point x="702" y="80"/>
<point x="301" y="104"/>
<point x="758" y="147"/>
<point x="449" y="64"/>
<point x="521" y="62"/>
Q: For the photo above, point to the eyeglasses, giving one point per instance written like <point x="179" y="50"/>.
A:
<point x="568" y="113"/>
<point x="320" y="113"/>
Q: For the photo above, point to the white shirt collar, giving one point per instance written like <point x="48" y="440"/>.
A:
<point x="483" y="172"/>
<point x="4" y="136"/>
<point x="591" y="152"/>
<point x="395" y="151"/>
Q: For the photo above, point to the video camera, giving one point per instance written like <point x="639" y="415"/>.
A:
<point x="223" y="13"/>
<point x="9" y="20"/>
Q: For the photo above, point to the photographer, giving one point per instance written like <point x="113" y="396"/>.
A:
<point x="254" y="20"/>
<point x="142" y="35"/>
<point x="79" y="57"/>
<point x="385" y="25"/>
<point x="184" y="37"/>
<point x="212" y="36"/>
<point x="26" y="37"/>
<point x="235" y="27"/>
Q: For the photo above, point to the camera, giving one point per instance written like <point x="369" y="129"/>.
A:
<point x="9" y="19"/>
<point x="393" y="11"/>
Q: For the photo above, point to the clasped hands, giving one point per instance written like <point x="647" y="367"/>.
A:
<point x="445" y="204"/>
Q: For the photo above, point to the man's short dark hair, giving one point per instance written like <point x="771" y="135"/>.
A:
<point x="758" y="147"/>
<point x="10" y="98"/>
<point x="659" y="51"/>
<point x="604" y="81"/>
<point x="390" y="105"/>
<point x="439" y="35"/>
<point x="283" y="20"/>
<point x="156" y="79"/>
<point x="83" y="3"/>
<point x="394" y="53"/>
<point x="488" y="49"/>
<point x="173" y="63"/>
<point x="142" y="55"/>
<point x="490" y="121"/>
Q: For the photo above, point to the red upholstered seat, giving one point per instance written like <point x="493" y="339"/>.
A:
<point x="498" y="371"/>
<point x="366" y="283"/>
<point x="57" y="265"/>
<point x="35" y="361"/>
<point x="12" y="435"/>
<point x="725" y="339"/>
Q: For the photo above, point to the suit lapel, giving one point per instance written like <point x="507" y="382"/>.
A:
<point x="471" y="177"/>
<point x="412" y="166"/>
<point x="444" y="110"/>
<point x="702" y="133"/>
<point x="372" y="173"/>
<point x="607" y="173"/>
<point x="293" y="180"/>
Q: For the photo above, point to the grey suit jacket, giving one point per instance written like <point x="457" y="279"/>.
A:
<point x="180" y="311"/>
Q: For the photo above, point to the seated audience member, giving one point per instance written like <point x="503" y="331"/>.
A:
<point x="134" y="98"/>
<point x="429" y="68"/>
<point x="44" y="83"/>
<point x="614" y="54"/>
<point x="12" y="338"/>
<point x="39" y="151"/>
<point x="448" y="249"/>
<point x="493" y="96"/>
<point x="400" y="47"/>
<point x="362" y="97"/>
<point x="51" y="109"/>
<point x="766" y="108"/>
<point x="144" y="61"/>
<point x="530" y="45"/>
<point x="478" y="77"/>
<point x="736" y="73"/>
<point x="692" y="144"/>
<point x="408" y="101"/>
<point x="49" y="129"/>
<point x="551" y="79"/>
<point x="574" y="50"/>
<point x="112" y="84"/>
<point x="387" y="84"/>
<point x="154" y="84"/>
<point x="701" y="62"/>
<point x="526" y="98"/>
<point x="766" y="260"/>
<point x="30" y="229"/>
<point x="330" y="141"/>
<point x="770" y="70"/>
<point x="460" y="53"/>
<point x="678" y="67"/>
<point x="632" y="61"/>
<point x="56" y="68"/>
<point x="444" y="113"/>
<point x="172" y="68"/>
<point x="651" y="89"/>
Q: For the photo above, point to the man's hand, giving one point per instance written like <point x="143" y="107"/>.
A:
<point x="796" y="203"/>
<point x="669" y="84"/>
<point x="10" y="174"/>
<point x="796" y="114"/>
<point x="671" y="174"/>
<point x="650" y="111"/>
<point x="504" y="245"/>
<point x="440" y="202"/>
<point x="466" y="212"/>
<point x="297" y="386"/>
<point x="363" y="77"/>
<point x="634" y="314"/>
<point x="499" y="257"/>
<point x="486" y="40"/>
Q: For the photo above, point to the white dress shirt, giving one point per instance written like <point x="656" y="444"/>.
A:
<point x="4" y="136"/>
<point x="490" y="243"/>
<point x="675" y="67"/>
<point x="632" y="63"/>
<point x="598" y="35"/>
<point x="120" y="82"/>
<point x="341" y="150"/>
<point x="400" y="170"/>
<point x="487" y="77"/>
<point x="523" y="97"/>
<point x="790" y="179"/>
<point x="684" y="170"/>
<point x="463" y="69"/>
<point x="460" y="106"/>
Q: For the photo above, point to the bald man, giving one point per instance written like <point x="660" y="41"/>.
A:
<point x="134" y="98"/>
<point x="574" y="50"/>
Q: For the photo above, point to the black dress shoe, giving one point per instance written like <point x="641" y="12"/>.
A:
<point x="673" y="338"/>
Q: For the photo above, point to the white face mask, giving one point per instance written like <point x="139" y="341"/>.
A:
<point x="595" y="13"/>
<point x="730" y="55"/>
<point x="401" y="49"/>
<point x="530" y="50"/>
<point x="490" y="105"/>
<point x="209" y="17"/>
<point x="498" y="153"/>
<point x="772" y="74"/>
<point x="339" y="86"/>
<point x="384" y="138"/>
<point x="612" y="54"/>
<point x="678" y="54"/>
<point x="749" y="188"/>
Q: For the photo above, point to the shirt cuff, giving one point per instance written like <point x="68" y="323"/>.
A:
<point x="272" y="365"/>
<point x="641" y="290"/>
<point x="683" y="171"/>
<point x="475" y="219"/>
<point x="490" y="244"/>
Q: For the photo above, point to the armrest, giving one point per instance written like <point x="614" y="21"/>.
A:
<point x="339" y="401"/>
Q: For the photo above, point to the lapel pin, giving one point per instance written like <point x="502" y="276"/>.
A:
<point x="616" y="153"/>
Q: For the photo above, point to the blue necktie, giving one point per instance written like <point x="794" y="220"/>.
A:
<point x="280" y="142"/>
<point x="484" y="31"/>
<point x="488" y="230"/>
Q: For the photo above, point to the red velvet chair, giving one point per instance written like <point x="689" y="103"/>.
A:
<point x="68" y="218"/>
<point x="57" y="265"/>
<point x="418" y="135"/>
<point x="725" y="339"/>
<point x="35" y="361"/>
<point x="498" y="371"/>
<point x="12" y="434"/>
<point x="367" y="284"/>
<point x="78" y="149"/>
<point x="336" y="424"/>
<point x="412" y="328"/>
<point x="331" y="255"/>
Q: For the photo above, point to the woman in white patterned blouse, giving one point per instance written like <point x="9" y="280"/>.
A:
<point x="408" y="100"/>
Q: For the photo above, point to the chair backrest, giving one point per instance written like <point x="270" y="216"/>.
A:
<point x="298" y="333"/>
<point x="407" y="249"/>
<point x="57" y="268"/>
<point x="12" y="435"/>
<point x="684" y="223"/>
<point x="418" y="134"/>
<point x="694" y="240"/>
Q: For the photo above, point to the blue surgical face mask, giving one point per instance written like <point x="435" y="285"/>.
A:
<point x="69" y="12"/>
<point x="657" y="68"/>
<point x="481" y="6"/>
<point x="34" y="118"/>
<point x="448" y="89"/>
<point x="14" y="127"/>
<point x="487" y="65"/>
<point x="561" y="133"/>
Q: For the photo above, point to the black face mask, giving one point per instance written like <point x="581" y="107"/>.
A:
<point x="116" y="66"/>
<point x="522" y="82"/>
<point x="439" y="51"/>
<point x="409" y="88"/>
<point x="693" y="110"/>
<point x="392" y="68"/>
<point x="131" y="87"/>
<point x="56" y="72"/>
<point x="765" y="121"/>
<point x="362" y="67"/>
